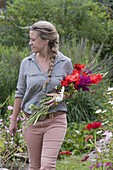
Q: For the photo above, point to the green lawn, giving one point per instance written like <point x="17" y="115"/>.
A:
<point x="73" y="164"/>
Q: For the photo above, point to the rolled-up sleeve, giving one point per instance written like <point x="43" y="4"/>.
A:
<point x="68" y="66"/>
<point x="21" y="84"/>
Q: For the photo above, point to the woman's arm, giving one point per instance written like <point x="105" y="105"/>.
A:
<point x="17" y="108"/>
<point x="16" y="111"/>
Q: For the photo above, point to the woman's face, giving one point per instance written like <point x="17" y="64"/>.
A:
<point x="36" y="43"/>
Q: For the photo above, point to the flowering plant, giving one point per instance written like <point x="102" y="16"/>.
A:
<point x="99" y="156"/>
<point x="94" y="125"/>
<point x="65" y="154"/>
<point x="81" y="78"/>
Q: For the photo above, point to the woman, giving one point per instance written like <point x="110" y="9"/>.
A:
<point x="39" y="74"/>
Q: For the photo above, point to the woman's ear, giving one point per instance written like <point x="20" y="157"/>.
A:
<point x="46" y="41"/>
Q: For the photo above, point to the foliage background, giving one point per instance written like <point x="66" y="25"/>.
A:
<point x="73" y="18"/>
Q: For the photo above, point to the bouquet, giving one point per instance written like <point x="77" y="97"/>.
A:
<point x="81" y="78"/>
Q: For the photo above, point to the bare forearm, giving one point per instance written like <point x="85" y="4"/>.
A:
<point x="17" y="108"/>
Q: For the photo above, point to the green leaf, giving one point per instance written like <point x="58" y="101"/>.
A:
<point x="1" y="145"/>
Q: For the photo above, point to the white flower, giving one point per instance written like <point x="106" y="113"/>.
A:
<point x="77" y="131"/>
<point x="110" y="89"/>
<point x="56" y="87"/>
<point x="21" y="135"/>
<point x="101" y="140"/>
<point x="111" y="102"/>
<point x="99" y="111"/>
<point x="99" y="149"/>
<point x="105" y="122"/>
<point x="104" y="111"/>
<point x="19" y="130"/>
<point x="100" y="131"/>
<point x="6" y="142"/>
<point x="109" y="93"/>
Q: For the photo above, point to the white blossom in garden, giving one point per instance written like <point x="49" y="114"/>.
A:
<point x="105" y="122"/>
<point x="104" y="111"/>
<point x="109" y="93"/>
<point x="110" y="102"/>
<point x="110" y="89"/>
<point x="99" y="111"/>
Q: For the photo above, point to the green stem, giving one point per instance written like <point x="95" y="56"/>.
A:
<point x="42" y="110"/>
<point x="95" y="139"/>
<point x="41" y="114"/>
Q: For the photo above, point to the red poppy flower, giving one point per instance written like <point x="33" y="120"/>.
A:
<point x="79" y="67"/>
<point x="89" y="126"/>
<point x="75" y="72"/>
<point x="65" y="83"/>
<point x="72" y="78"/>
<point x="95" y="78"/>
<point x="94" y="125"/>
<point x="65" y="153"/>
<point x="77" y="83"/>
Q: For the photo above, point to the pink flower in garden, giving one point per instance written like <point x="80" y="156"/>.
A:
<point x="85" y="158"/>
<point x="1" y="121"/>
<point x="107" y="164"/>
<point x="22" y="118"/>
<point x="92" y="166"/>
<point x="108" y="135"/>
<point x="7" y="129"/>
<point x="88" y="137"/>
<point x="99" y="164"/>
<point x="10" y="107"/>
<point x="17" y="118"/>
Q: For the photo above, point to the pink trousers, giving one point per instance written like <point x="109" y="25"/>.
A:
<point x="44" y="140"/>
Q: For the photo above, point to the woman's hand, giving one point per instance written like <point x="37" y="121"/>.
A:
<point x="12" y="127"/>
<point x="52" y="102"/>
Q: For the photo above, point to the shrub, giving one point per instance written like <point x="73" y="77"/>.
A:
<point x="73" y="18"/>
<point x="10" y="59"/>
<point x="74" y="139"/>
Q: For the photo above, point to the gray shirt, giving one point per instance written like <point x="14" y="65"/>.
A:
<point x="31" y="79"/>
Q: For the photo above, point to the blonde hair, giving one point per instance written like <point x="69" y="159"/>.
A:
<point x="48" y="32"/>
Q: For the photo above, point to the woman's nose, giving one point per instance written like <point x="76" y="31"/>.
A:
<point x="30" y="42"/>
